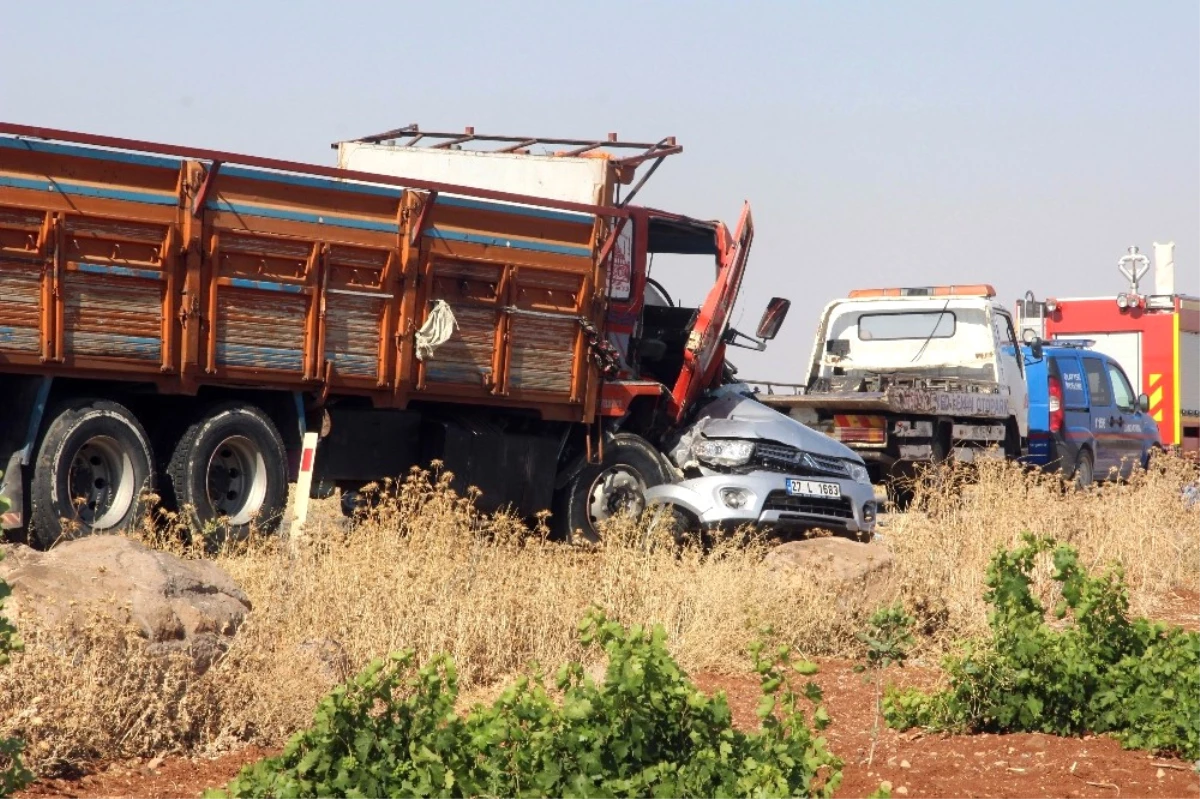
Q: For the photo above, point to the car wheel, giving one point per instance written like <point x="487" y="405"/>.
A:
<point x="675" y="524"/>
<point x="614" y="486"/>
<point x="1152" y="452"/>
<point x="1084" y="471"/>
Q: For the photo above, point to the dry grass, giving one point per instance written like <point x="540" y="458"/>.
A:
<point x="426" y="571"/>
<point x="961" y="515"/>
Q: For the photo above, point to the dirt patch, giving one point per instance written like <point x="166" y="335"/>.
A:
<point x="1021" y="765"/>
<point x="170" y="777"/>
<point x="1180" y="607"/>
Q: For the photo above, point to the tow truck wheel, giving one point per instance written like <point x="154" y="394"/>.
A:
<point x="93" y="467"/>
<point x="614" y="486"/>
<point x="229" y="469"/>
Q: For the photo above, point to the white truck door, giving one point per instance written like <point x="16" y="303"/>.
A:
<point x="1010" y="369"/>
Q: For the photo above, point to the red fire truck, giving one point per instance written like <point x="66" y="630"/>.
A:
<point x="1154" y="336"/>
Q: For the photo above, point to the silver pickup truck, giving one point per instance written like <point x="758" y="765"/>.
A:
<point x="743" y="463"/>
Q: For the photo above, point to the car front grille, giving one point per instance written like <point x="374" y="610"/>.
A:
<point x="809" y="506"/>
<point x="789" y="460"/>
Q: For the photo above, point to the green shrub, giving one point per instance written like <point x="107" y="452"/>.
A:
<point x="13" y="775"/>
<point x="645" y="731"/>
<point x="1099" y="673"/>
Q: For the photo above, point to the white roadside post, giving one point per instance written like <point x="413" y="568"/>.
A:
<point x="308" y="458"/>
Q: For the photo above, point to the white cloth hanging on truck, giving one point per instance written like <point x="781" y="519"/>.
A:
<point x="438" y="328"/>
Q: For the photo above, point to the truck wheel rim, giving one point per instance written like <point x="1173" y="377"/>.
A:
<point x="236" y="480"/>
<point x="618" y="489"/>
<point x="101" y="482"/>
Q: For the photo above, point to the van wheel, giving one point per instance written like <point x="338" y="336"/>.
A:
<point x="616" y="485"/>
<point x="230" y="469"/>
<point x="1084" y="471"/>
<point x="92" y="469"/>
<point x="1153" y="452"/>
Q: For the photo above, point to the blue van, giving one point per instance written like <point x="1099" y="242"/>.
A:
<point x="1084" y="418"/>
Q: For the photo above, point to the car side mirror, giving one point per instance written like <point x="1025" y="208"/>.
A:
<point x="772" y="318"/>
<point x="1143" y="403"/>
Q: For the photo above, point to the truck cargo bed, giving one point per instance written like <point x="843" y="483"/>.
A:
<point x="185" y="272"/>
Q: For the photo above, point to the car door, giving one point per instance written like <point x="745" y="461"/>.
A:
<point x="1103" y="415"/>
<point x="1128" y="423"/>
<point x="1077" y="418"/>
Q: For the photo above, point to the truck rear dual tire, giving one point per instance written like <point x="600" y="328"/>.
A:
<point x="603" y="490"/>
<point x="93" y="469"/>
<point x="229" y="471"/>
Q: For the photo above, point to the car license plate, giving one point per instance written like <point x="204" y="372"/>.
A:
<point x="812" y="488"/>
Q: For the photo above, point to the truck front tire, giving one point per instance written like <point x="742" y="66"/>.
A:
<point x="230" y="468"/>
<point x="615" y="485"/>
<point x="93" y="468"/>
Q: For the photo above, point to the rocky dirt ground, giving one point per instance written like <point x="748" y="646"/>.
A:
<point x="916" y="765"/>
<point x="1020" y="765"/>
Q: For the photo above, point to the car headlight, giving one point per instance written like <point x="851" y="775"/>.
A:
<point x="722" y="451"/>
<point x="859" y="474"/>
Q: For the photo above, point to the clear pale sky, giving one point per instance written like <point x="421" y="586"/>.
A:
<point x="1025" y="144"/>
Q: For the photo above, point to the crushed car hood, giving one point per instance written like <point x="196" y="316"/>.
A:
<point x="739" y="416"/>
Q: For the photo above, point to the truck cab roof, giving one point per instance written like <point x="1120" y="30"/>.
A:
<point x="879" y="333"/>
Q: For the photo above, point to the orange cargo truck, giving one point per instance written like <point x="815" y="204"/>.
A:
<point x="183" y="321"/>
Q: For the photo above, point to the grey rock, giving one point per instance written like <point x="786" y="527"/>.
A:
<point x="180" y="606"/>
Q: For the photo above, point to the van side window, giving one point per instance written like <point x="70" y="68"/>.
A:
<point x="1071" y="377"/>
<point x="1122" y="393"/>
<point x="1097" y="382"/>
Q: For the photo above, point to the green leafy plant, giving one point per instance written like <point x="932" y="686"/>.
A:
<point x="644" y="731"/>
<point x="888" y="638"/>
<point x="13" y="775"/>
<point x="1095" y="671"/>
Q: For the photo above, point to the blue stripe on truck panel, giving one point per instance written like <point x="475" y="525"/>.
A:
<point x="518" y="210"/>
<point x="247" y="355"/>
<point x="137" y="159"/>
<point x="310" y="182"/>
<point x="115" y="345"/>
<point x="514" y="243"/>
<point x="265" y="285"/>
<point x="121" y="271"/>
<point x="246" y="209"/>
<point x="88" y="191"/>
